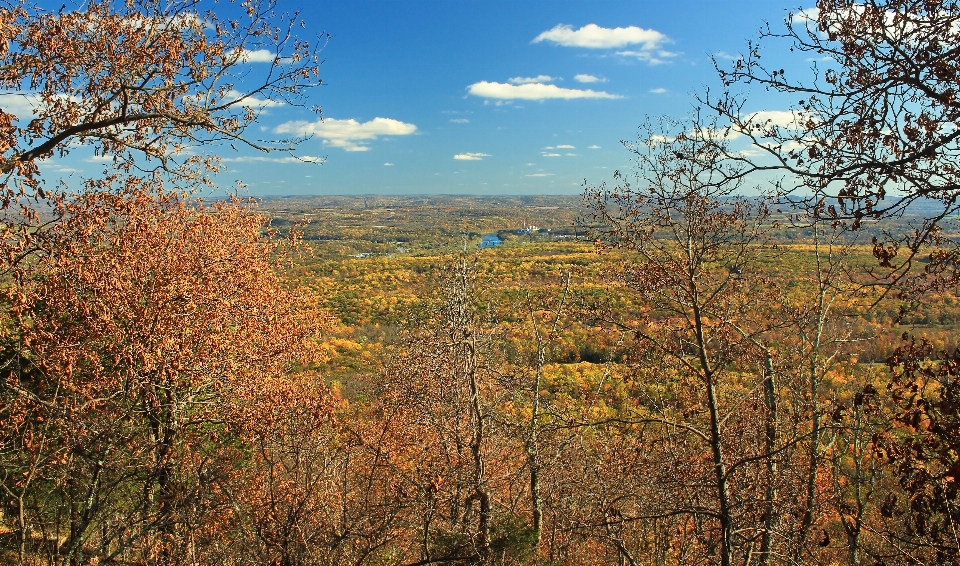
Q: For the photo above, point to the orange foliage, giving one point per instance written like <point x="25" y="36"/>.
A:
<point x="151" y="332"/>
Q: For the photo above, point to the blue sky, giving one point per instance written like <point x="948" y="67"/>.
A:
<point x="489" y="96"/>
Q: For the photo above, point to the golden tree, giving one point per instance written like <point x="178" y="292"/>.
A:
<point x="154" y="332"/>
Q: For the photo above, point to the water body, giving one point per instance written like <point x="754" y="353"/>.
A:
<point x="490" y="241"/>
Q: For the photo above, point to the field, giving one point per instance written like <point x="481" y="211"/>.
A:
<point x="375" y="263"/>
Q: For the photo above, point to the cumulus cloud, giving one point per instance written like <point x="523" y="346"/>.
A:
<point x="781" y="118"/>
<point x="459" y="120"/>
<point x="350" y="135"/>
<point x="25" y="104"/>
<point x="810" y="19"/>
<point x="593" y="147"/>
<point x="565" y="146"/>
<point x="583" y="78"/>
<point x="20" y="104"/>
<point x="808" y="15"/>
<point x="248" y="100"/>
<point x="790" y="145"/>
<point x="540" y="175"/>
<point x="236" y="97"/>
<point x="724" y="133"/>
<point x="530" y="80"/>
<point x="551" y="155"/>
<point x="470" y="156"/>
<point x="267" y="159"/>
<point x="256" y="55"/>
<point x="595" y="37"/>
<point x="658" y="90"/>
<point x="532" y="91"/>
<point x="100" y="159"/>
<point x="388" y="164"/>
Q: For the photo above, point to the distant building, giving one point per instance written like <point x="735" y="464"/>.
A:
<point x="490" y="241"/>
<point x="529" y="229"/>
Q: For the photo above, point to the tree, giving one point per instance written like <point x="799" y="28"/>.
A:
<point x="923" y="449"/>
<point x="141" y="82"/>
<point x="705" y="319"/>
<point x="874" y="130"/>
<point x="147" y="341"/>
<point x="140" y="355"/>
<point x="148" y="76"/>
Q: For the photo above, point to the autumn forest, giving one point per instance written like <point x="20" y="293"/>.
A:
<point x="717" y="357"/>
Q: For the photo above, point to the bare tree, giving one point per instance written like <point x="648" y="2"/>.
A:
<point x="706" y="315"/>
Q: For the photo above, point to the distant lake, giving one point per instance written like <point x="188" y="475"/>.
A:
<point x="490" y="241"/>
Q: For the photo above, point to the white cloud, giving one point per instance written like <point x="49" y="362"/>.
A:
<point x="347" y="134"/>
<point x="459" y="120"/>
<point x="895" y="23"/>
<point x="782" y="118"/>
<point x="530" y="80"/>
<point x="594" y="147"/>
<point x="18" y="103"/>
<point x="582" y="78"/>
<point x="100" y="159"/>
<point x="183" y="20"/>
<point x="789" y="145"/>
<point x="726" y="133"/>
<point x="570" y="154"/>
<point x="388" y="164"/>
<point x="540" y="175"/>
<point x="650" y="56"/>
<point x="249" y="101"/>
<point x="808" y="15"/>
<point x="470" y="156"/>
<point x="658" y="90"/>
<point x="266" y="159"/>
<point x="565" y="147"/>
<point x="727" y="56"/>
<point x="533" y="91"/>
<point x="595" y="37"/>
<point x="24" y="105"/>
<point x="256" y="55"/>
<point x="51" y="165"/>
<point x="551" y="155"/>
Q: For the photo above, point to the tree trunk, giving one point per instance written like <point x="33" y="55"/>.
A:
<point x="716" y="439"/>
<point x="481" y="494"/>
<point x="770" y="514"/>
